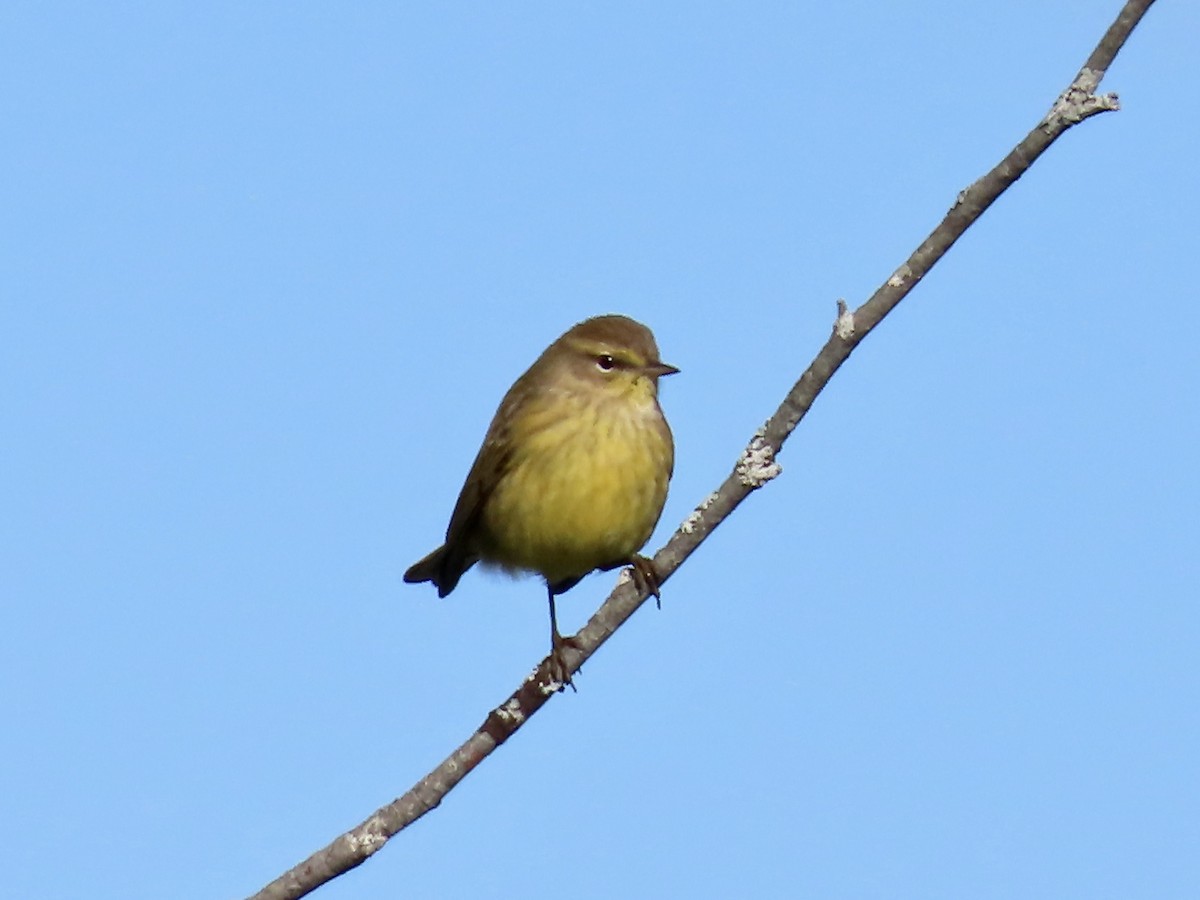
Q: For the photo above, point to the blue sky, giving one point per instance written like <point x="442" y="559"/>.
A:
<point x="269" y="268"/>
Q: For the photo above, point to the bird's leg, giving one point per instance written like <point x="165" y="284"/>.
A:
<point x="559" y="670"/>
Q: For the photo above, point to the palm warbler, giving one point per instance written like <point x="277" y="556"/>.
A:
<point x="573" y="471"/>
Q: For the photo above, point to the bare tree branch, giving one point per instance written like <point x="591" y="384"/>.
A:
<point x="754" y="468"/>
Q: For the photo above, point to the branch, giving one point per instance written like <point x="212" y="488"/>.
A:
<point x="754" y="468"/>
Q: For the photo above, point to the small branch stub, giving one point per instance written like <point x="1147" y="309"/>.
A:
<point x="1078" y="102"/>
<point x="844" y="325"/>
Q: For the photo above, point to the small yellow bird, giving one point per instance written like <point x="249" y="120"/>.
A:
<point x="572" y="475"/>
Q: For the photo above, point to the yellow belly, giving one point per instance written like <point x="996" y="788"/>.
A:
<point x="583" y="492"/>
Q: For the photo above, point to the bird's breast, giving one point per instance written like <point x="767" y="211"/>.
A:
<point x="582" y="490"/>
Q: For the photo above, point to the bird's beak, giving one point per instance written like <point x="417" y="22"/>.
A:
<point x="658" y="369"/>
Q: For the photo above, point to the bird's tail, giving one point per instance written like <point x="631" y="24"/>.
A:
<point x="444" y="566"/>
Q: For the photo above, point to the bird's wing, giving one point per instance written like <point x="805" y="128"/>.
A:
<point x="491" y="462"/>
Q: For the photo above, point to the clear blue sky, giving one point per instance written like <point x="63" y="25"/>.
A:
<point x="267" y="270"/>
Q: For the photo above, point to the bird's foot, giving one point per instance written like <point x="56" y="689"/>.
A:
<point x="645" y="577"/>
<point x="559" y="670"/>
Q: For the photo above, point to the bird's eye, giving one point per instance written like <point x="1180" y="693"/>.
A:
<point x="605" y="363"/>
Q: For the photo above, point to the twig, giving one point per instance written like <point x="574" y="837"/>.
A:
<point x="754" y="468"/>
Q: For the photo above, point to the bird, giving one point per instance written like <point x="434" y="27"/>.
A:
<point x="572" y="474"/>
